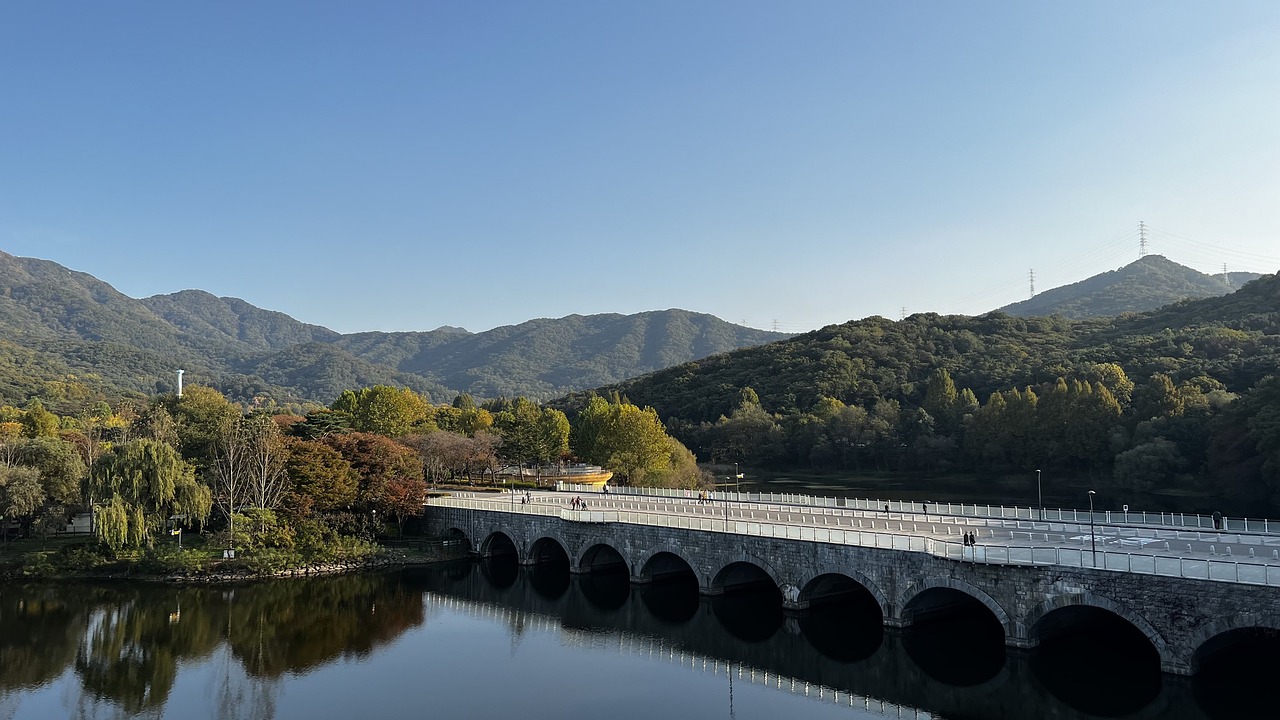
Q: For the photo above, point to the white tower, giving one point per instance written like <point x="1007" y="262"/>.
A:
<point x="180" y="383"/>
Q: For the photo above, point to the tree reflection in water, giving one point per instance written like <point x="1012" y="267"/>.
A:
<point x="126" y="642"/>
<point x="125" y="646"/>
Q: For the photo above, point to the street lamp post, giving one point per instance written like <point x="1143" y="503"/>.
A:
<point x="1040" y="495"/>
<point x="1093" y="545"/>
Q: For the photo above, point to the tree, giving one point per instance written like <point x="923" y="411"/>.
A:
<point x="532" y="435"/>
<point x="320" y="473"/>
<point x="1158" y="398"/>
<point x="21" y="495"/>
<point x="623" y="438"/>
<point x="385" y="410"/>
<point x="377" y="460"/>
<point x="38" y="422"/>
<point x="61" y="470"/>
<point x="147" y="482"/>
<point x="201" y="417"/>
<point x="940" y="399"/>
<point x="402" y="497"/>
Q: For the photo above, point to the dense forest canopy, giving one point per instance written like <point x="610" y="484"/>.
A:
<point x="276" y="483"/>
<point x="1173" y="398"/>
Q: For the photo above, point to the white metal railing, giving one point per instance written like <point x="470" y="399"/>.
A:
<point x="1252" y="573"/>
<point x="1132" y="517"/>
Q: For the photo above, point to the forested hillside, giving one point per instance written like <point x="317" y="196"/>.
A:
<point x="1150" y="398"/>
<point x="61" y="323"/>
<point x="1145" y="284"/>
<point x="547" y="357"/>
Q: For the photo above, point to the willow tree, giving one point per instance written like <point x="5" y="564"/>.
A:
<point x="144" y="483"/>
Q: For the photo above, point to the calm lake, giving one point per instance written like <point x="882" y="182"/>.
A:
<point x="495" y="640"/>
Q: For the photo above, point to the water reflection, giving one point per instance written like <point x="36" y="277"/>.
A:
<point x="127" y="646"/>
<point x="126" y="643"/>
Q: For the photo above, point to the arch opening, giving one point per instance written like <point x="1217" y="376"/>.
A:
<point x="843" y="620"/>
<point x="1095" y="661"/>
<point x="456" y="538"/>
<point x="549" y="574"/>
<point x="1234" y="671"/>
<point x="498" y="544"/>
<point x="499" y="560"/>
<point x="672" y="593"/>
<point x="549" y="551"/>
<point x="602" y="558"/>
<point x="606" y="579"/>
<point x="748" y="603"/>
<point x="741" y="576"/>
<point x="954" y="637"/>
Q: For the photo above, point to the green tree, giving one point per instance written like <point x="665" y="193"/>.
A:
<point x="145" y="482"/>
<point x="623" y="438"/>
<point x="21" y="495"/>
<point x="60" y="467"/>
<point x="385" y="410"/>
<point x="38" y="422"/>
<point x="1158" y="398"/>
<point x="940" y="399"/>
<point x="532" y="435"/>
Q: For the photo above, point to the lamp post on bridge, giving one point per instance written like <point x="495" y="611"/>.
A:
<point x="1093" y="545"/>
<point x="736" y="477"/>
<point x="1040" y="495"/>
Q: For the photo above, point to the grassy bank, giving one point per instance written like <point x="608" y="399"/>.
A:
<point x="197" y="560"/>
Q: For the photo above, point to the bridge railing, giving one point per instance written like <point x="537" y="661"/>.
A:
<point x="1252" y="573"/>
<point x="1109" y="517"/>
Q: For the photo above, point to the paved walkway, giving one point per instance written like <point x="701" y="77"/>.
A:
<point x="1146" y="539"/>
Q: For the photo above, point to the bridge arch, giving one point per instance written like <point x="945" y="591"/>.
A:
<point x="810" y="586"/>
<point x="598" y="552"/>
<point x="458" y="536"/>
<point x="716" y="583"/>
<point x="915" y="589"/>
<point x="548" y="547"/>
<point x="498" y="542"/>
<point x="1204" y="638"/>
<point x="664" y="563"/>
<point x="1031" y="623"/>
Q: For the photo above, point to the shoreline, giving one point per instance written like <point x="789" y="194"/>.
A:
<point x="386" y="558"/>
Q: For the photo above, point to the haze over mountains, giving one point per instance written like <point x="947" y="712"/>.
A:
<point x="56" y="322"/>
<point x="1145" y="284"/>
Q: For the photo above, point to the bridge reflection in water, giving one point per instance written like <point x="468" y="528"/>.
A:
<point x="951" y="662"/>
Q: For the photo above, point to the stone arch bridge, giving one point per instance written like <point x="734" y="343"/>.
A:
<point x="1179" y="616"/>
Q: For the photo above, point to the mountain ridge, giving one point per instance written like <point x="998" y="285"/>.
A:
<point x="82" y="325"/>
<point x="1149" y="282"/>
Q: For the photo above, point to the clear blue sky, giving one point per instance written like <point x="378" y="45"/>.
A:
<point x="397" y="166"/>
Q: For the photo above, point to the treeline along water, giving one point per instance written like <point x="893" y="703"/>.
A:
<point x="493" y="639"/>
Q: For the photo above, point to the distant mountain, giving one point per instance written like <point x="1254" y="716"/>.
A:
<point x="547" y="357"/>
<point x="1145" y="284"/>
<point x="234" y="320"/>
<point x="56" y="323"/>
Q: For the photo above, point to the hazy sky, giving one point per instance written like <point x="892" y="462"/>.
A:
<point x="397" y="166"/>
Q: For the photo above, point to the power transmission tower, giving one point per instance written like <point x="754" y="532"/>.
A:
<point x="1142" y="239"/>
<point x="903" y="316"/>
<point x="1031" y="277"/>
<point x="775" y="324"/>
<point x="1225" y="277"/>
